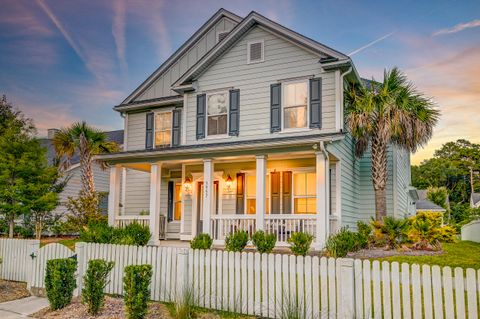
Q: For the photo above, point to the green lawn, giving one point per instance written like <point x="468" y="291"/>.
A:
<point x="69" y="241"/>
<point x="465" y="254"/>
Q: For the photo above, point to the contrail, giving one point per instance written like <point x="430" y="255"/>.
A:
<point x="459" y="27"/>
<point x="371" y="43"/>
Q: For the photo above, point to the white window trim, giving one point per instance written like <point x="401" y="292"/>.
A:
<point x="301" y="171"/>
<point x="284" y="92"/>
<point x="216" y="136"/>
<point x="248" y="51"/>
<point x="218" y="35"/>
<point x="155" y="113"/>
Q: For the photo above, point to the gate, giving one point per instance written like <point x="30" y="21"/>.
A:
<point x="40" y="258"/>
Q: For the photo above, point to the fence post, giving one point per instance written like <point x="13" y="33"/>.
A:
<point x="347" y="289"/>
<point x="182" y="273"/>
<point x="33" y="247"/>
<point x="80" y="252"/>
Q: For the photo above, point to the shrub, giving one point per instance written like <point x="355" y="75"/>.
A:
<point x="95" y="280"/>
<point x="134" y="234"/>
<point x="98" y="232"/>
<point x="201" y="241"/>
<point x="300" y="243"/>
<point x="391" y="231"/>
<point x="364" y="234"/>
<point x="136" y="285"/>
<point x="236" y="241"/>
<point x="264" y="242"/>
<point x="426" y="231"/>
<point x="342" y="242"/>
<point x="60" y="281"/>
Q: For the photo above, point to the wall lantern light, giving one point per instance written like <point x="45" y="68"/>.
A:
<point x="187" y="186"/>
<point x="228" y="184"/>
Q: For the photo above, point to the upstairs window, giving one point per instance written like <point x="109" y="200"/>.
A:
<point x="255" y="52"/>
<point x="295" y="97"/>
<point x="217" y="113"/>
<point x="163" y="129"/>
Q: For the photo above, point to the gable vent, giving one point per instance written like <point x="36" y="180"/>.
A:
<point x="255" y="52"/>
<point x="222" y="35"/>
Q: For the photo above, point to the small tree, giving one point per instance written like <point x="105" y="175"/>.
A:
<point x="83" y="210"/>
<point x="95" y="282"/>
<point x="438" y="196"/>
<point x="136" y="284"/>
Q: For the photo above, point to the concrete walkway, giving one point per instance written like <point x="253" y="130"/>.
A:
<point x="22" y="308"/>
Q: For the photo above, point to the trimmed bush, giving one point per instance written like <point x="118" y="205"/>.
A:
<point x="300" y="243"/>
<point x="60" y="282"/>
<point x="136" y="286"/>
<point x="342" y="242"/>
<point x="95" y="280"/>
<point x="100" y="232"/>
<point x="201" y="241"/>
<point x="264" y="242"/>
<point x="134" y="234"/>
<point x="236" y="241"/>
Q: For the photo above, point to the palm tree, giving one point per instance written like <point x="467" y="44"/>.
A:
<point x="86" y="142"/>
<point x="392" y="112"/>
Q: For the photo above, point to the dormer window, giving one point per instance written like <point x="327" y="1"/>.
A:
<point x="255" y="52"/>
<point x="222" y="35"/>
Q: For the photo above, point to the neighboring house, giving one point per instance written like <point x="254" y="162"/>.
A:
<point x="475" y="200"/>
<point x="243" y="128"/>
<point x="424" y="205"/>
<point x="73" y="187"/>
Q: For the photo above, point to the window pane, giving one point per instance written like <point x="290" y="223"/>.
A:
<point x="178" y="211"/>
<point x="217" y="124"/>
<point x="217" y="104"/>
<point x="163" y="121"/>
<point x="311" y="184"/>
<point x="163" y="138"/>
<point x="251" y="186"/>
<point x="299" y="184"/>
<point x="311" y="206"/>
<point x="296" y="94"/>
<point x="295" y="117"/>
<point x="300" y="205"/>
<point x="251" y="206"/>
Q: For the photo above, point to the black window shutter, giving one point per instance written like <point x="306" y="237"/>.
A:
<point x="316" y="103"/>
<point x="275" y="192"/>
<point x="240" y="199"/>
<point x="275" y="107"/>
<point x="201" y="102"/>
<point x="287" y="192"/>
<point x="234" y="114"/>
<point x="170" y="201"/>
<point x="176" y="123"/>
<point x="149" y="131"/>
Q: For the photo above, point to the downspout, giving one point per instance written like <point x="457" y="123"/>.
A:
<point x="342" y="76"/>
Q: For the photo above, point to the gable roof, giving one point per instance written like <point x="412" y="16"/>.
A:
<point x="180" y="51"/>
<point x="475" y="198"/>
<point x="327" y="54"/>
<point x="425" y="204"/>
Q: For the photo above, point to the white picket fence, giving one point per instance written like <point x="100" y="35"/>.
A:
<point x="263" y="285"/>
<point x="16" y="261"/>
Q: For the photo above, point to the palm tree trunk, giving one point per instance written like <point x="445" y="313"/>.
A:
<point x="379" y="175"/>
<point x="86" y="167"/>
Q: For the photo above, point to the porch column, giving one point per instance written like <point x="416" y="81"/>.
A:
<point x="260" y="200"/>
<point x="322" y="181"/>
<point x="114" y="193"/>
<point x="155" y="180"/>
<point x="207" y="194"/>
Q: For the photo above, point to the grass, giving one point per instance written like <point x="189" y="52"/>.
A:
<point x="66" y="241"/>
<point x="465" y="254"/>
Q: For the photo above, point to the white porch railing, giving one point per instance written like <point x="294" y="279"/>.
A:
<point x="283" y="226"/>
<point x="222" y="225"/>
<point x="122" y="221"/>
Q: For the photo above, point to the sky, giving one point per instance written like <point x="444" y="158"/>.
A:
<point x="64" y="61"/>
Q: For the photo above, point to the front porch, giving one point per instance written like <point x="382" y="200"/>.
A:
<point x="280" y="193"/>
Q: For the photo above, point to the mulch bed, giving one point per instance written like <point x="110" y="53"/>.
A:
<point x="381" y="253"/>
<point x="11" y="290"/>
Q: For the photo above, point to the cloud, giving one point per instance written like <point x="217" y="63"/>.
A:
<point x="371" y="43"/>
<point x="118" y="31"/>
<point x="458" y="28"/>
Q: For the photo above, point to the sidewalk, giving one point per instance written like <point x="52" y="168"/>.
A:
<point x="22" y="308"/>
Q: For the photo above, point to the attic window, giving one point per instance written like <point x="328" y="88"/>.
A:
<point x="255" y="52"/>
<point x="222" y="35"/>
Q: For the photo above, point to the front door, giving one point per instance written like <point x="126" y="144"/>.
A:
<point x="200" y="203"/>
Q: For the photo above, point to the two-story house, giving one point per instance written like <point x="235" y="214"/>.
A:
<point x="243" y="128"/>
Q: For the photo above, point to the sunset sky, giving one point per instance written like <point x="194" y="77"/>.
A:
<point x="64" y="61"/>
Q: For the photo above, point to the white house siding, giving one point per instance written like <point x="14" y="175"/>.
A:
<point x="137" y="192"/>
<point x="74" y="185"/>
<point x="136" y="126"/>
<point x="283" y="60"/>
<point x="161" y="87"/>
